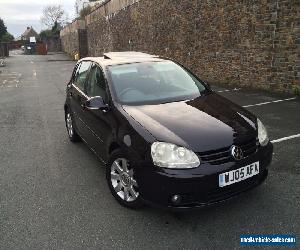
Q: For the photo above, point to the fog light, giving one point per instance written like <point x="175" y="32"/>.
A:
<point x="176" y="199"/>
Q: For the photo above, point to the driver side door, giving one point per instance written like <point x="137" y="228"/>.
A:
<point x="101" y="122"/>
<point x="78" y="97"/>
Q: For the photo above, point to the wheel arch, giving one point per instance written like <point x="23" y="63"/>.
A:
<point x="66" y="107"/>
<point x="113" y="146"/>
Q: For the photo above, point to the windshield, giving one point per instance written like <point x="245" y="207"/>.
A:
<point x="154" y="82"/>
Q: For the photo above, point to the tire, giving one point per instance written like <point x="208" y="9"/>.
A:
<point x="73" y="136"/>
<point x="121" y="180"/>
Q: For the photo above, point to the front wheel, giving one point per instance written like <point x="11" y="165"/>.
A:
<point x="73" y="136"/>
<point x="122" y="182"/>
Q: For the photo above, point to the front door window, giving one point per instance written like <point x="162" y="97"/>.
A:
<point x="96" y="85"/>
<point x="82" y="74"/>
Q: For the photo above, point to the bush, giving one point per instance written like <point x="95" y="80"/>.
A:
<point x="7" y="37"/>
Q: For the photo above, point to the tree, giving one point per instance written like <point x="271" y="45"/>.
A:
<point x="56" y="28"/>
<point x="85" y="11"/>
<point x="7" y="37"/>
<point x="51" y="33"/>
<point x="83" y="4"/>
<point x="4" y="35"/>
<point x="45" y="34"/>
<point x="3" y="28"/>
<point x="53" y="14"/>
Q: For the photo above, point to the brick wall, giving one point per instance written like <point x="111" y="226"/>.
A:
<point x="70" y="37"/>
<point x="253" y="43"/>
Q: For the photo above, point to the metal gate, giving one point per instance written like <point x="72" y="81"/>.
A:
<point x="83" y="43"/>
<point x="4" y="50"/>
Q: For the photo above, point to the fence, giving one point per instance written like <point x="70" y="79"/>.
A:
<point x="4" y="50"/>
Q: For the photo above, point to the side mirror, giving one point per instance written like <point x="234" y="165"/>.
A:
<point x="96" y="103"/>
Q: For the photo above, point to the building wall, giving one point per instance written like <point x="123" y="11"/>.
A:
<point x="70" y="37"/>
<point x="70" y="42"/>
<point x="253" y="43"/>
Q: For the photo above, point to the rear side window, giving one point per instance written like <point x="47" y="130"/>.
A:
<point x="81" y="74"/>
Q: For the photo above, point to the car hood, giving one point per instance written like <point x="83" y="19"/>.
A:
<point x="206" y="123"/>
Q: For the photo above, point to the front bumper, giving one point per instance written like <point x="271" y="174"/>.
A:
<point x="197" y="187"/>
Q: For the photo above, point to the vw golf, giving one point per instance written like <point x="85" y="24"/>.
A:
<point x="165" y="137"/>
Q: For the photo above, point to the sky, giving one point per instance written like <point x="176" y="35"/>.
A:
<point x="18" y="14"/>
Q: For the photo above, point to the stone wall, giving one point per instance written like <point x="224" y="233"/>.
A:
<point x="70" y="37"/>
<point x="70" y="43"/>
<point x="254" y="43"/>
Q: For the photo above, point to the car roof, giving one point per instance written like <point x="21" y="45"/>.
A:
<point x="117" y="58"/>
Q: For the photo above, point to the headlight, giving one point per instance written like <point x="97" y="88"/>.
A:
<point x="262" y="134"/>
<point x="167" y="155"/>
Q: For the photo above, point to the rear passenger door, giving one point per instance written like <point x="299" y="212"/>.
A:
<point x="78" y="97"/>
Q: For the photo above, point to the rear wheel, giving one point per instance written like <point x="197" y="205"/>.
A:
<point x="73" y="136"/>
<point x="121" y="180"/>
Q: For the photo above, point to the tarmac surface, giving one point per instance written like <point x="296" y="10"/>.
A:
<point x="53" y="194"/>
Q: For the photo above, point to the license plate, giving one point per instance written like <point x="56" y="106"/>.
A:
<point x="238" y="175"/>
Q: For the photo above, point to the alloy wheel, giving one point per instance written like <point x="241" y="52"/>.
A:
<point x="69" y="125"/>
<point x="122" y="179"/>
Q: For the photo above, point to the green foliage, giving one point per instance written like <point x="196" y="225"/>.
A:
<point x="85" y="11"/>
<point x="53" y="32"/>
<point x="7" y="37"/>
<point x="56" y="29"/>
<point x="3" y="28"/>
<point x="296" y="90"/>
<point x="44" y="34"/>
<point x="4" y="35"/>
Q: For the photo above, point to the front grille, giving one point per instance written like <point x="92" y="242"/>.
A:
<point x="250" y="147"/>
<point x="223" y="155"/>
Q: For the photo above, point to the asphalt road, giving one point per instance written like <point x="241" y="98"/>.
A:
<point x="53" y="194"/>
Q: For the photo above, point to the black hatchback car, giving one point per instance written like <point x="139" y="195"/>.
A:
<point x="165" y="137"/>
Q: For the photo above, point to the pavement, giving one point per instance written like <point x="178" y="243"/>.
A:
<point x="53" y="194"/>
